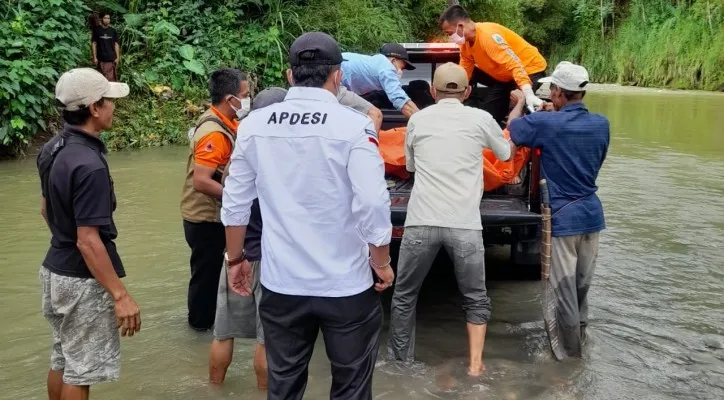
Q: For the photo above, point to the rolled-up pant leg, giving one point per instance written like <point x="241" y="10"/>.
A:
<point x="420" y="245"/>
<point x="563" y="279"/>
<point x="465" y="247"/>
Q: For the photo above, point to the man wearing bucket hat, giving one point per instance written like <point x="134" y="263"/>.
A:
<point x="461" y="133"/>
<point x="238" y="316"/>
<point x="83" y="297"/>
<point x="315" y="167"/>
<point x="573" y="144"/>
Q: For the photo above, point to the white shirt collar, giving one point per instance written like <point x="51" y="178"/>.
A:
<point x="310" y="93"/>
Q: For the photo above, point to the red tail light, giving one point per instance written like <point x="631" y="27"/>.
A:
<point x="397" y="232"/>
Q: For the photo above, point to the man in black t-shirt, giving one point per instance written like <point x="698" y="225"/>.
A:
<point x="83" y="297"/>
<point x="106" y="51"/>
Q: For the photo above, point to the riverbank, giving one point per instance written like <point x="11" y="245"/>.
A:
<point x="153" y="121"/>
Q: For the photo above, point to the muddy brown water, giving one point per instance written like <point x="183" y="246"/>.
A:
<point x="657" y="303"/>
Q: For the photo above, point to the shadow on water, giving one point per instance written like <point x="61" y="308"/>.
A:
<point x="656" y="320"/>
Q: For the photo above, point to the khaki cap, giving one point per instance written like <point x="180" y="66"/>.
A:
<point x="81" y="87"/>
<point x="450" y="78"/>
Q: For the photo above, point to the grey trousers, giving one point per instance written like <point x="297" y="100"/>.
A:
<point x="573" y="261"/>
<point x="420" y="245"/>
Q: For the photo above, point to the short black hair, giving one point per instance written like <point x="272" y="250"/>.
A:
<point x="79" y="117"/>
<point x="312" y="75"/>
<point x="224" y="82"/>
<point x="453" y="15"/>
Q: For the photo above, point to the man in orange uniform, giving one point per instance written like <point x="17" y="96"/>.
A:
<point x="211" y="144"/>
<point x="496" y="57"/>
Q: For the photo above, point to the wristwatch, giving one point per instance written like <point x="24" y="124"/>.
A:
<point x="235" y="261"/>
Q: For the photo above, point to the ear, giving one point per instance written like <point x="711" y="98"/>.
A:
<point x="468" y="91"/>
<point x="433" y="92"/>
<point x="95" y="110"/>
<point x="290" y="79"/>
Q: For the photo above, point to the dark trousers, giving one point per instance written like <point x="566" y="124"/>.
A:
<point x="207" y="241"/>
<point x="496" y="97"/>
<point x="351" y="329"/>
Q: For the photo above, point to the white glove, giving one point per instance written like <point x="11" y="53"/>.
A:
<point x="530" y="98"/>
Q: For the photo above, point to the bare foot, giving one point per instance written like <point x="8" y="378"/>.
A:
<point x="476" y="369"/>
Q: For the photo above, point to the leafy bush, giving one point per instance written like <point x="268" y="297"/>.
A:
<point x="38" y="40"/>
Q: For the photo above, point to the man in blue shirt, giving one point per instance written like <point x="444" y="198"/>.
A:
<point x="573" y="144"/>
<point x="363" y="74"/>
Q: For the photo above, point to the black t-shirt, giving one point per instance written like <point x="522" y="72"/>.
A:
<point x="78" y="191"/>
<point x="105" y="39"/>
<point x="252" y="240"/>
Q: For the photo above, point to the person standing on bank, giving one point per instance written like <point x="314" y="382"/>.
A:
<point x="363" y="75"/>
<point x="496" y="57"/>
<point x="83" y="297"/>
<point x="444" y="209"/>
<point x="238" y="316"/>
<point x="574" y="144"/>
<point x="106" y="51"/>
<point x="210" y="149"/>
<point x="320" y="181"/>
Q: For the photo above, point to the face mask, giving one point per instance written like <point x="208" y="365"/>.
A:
<point x="245" y="107"/>
<point x="399" y="73"/>
<point x="457" y="39"/>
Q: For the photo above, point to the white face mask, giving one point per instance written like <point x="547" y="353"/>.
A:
<point x="399" y="73"/>
<point x="245" y="107"/>
<point x="457" y="39"/>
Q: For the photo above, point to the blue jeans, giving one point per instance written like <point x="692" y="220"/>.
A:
<point x="420" y="245"/>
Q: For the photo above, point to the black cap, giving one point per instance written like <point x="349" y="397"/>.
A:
<point x="315" y="48"/>
<point x="398" y="51"/>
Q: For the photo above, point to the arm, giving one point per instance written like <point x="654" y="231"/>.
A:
<point x="497" y="48"/>
<point x="209" y="153"/>
<point x="92" y="209"/>
<point x="118" y="53"/>
<point x="390" y="82"/>
<point x="409" y="149"/>
<point x="204" y="182"/>
<point x="44" y="210"/>
<point x="376" y="116"/>
<point x="524" y="130"/>
<point x="238" y="195"/>
<point x="494" y="138"/>
<point x="371" y="202"/>
<point x="518" y="98"/>
<point x="409" y="108"/>
<point x="467" y="62"/>
<point x="94" y="46"/>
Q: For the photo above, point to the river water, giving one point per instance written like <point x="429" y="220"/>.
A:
<point x="657" y="303"/>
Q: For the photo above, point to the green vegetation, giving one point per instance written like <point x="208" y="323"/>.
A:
<point x="660" y="43"/>
<point x="169" y="47"/>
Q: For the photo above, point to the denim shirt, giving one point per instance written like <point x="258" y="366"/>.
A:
<point x="573" y="144"/>
<point x="363" y="74"/>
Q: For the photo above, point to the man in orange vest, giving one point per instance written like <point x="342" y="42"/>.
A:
<point x="496" y="57"/>
<point x="210" y="145"/>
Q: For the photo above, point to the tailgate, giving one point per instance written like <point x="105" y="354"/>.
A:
<point x="494" y="210"/>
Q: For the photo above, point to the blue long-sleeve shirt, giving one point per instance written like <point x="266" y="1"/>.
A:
<point x="363" y="74"/>
<point x="574" y="144"/>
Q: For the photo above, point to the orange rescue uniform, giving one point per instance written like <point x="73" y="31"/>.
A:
<point x="502" y="54"/>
